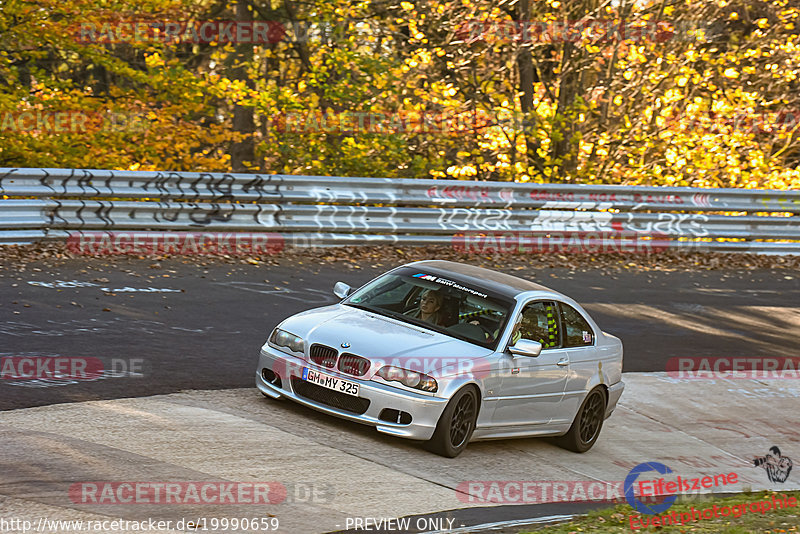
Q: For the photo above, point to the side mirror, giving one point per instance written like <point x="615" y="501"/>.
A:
<point x="526" y="347"/>
<point x="341" y="290"/>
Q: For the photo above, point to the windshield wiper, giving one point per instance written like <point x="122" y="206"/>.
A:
<point x="362" y="307"/>
<point x="412" y="320"/>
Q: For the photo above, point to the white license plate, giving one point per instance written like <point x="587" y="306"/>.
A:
<point x="330" y="382"/>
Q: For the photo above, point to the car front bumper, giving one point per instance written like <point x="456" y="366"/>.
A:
<point x="424" y="410"/>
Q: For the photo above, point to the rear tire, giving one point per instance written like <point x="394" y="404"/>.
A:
<point x="456" y="424"/>
<point x="585" y="429"/>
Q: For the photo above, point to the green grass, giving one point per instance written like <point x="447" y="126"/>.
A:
<point x="617" y="519"/>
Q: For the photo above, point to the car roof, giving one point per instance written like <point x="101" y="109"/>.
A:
<point x="497" y="282"/>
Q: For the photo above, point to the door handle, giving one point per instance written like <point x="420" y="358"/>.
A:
<point x="562" y="362"/>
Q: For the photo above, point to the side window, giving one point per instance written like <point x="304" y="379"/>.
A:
<point x="539" y="323"/>
<point x="577" y="332"/>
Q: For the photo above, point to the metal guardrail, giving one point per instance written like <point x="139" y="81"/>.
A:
<point x="42" y="204"/>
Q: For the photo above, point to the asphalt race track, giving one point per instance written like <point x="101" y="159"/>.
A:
<point x="176" y="402"/>
<point x="180" y="326"/>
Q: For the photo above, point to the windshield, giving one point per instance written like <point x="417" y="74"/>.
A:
<point x="438" y="303"/>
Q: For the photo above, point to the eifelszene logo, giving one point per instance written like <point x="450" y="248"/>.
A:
<point x="669" y="490"/>
<point x="630" y="486"/>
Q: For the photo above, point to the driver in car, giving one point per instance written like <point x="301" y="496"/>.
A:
<point x="430" y="308"/>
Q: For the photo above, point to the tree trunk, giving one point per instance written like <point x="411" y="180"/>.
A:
<point x="243" y="152"/>
<point x="563" y="147"/>
<point x="526" y="81"/>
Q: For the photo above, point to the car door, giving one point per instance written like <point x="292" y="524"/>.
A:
<point x="532" y="388"/>
<point x="579" y="340"/>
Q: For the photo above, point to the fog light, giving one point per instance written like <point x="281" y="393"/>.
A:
<point x="270" y="377"/>
<point x="395" y="416"/>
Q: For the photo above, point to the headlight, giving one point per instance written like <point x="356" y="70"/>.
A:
<point x="408" y="378"/>
<point x="283" y="339"/>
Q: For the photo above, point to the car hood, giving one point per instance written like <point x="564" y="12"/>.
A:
<point x="383" y="340"/>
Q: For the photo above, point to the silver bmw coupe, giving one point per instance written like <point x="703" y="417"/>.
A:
<point x="450" y="353"/>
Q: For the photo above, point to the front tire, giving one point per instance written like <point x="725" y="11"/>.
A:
<point x="456" y="424"/>
<point x="586" y="427"/>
